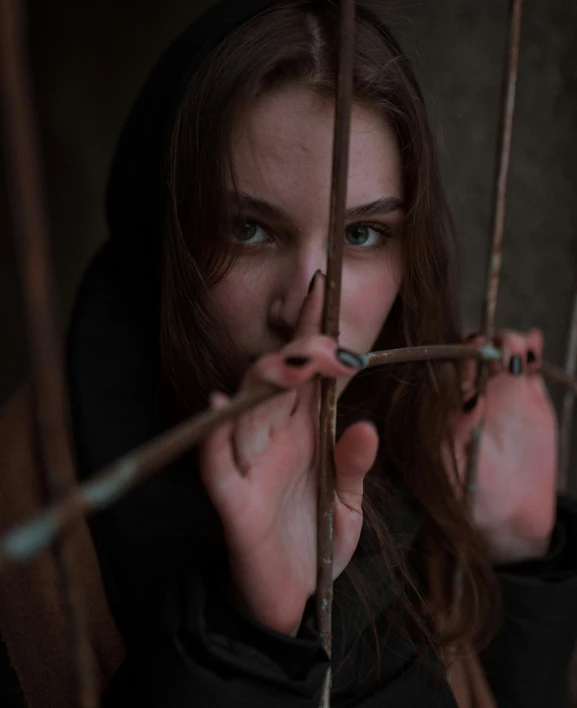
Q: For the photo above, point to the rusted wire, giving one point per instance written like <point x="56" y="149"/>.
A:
<point x="330" y="327"/>
<point x="111" y="483"/>
<point x="499" y="210"/>
<point x="495" y="261"/>
<point x="51" y="415"/>
<point x="566" y="422"/>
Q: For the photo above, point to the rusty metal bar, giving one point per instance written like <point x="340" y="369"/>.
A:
<point x="53" y="436"/>
<point x="510" y="81"/>
<point x="330" y="327"/>
<point x="499" y="206"/>
<point x="558" y="375"/>
<point x="114" y="481"/>
<point x="566" y="422"/>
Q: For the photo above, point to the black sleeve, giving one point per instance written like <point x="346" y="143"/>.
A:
<point x="526" y="663"/>
<point x="201" y="649"/>
<point x="11" y="695"/>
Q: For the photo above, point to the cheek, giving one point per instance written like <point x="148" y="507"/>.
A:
<point x="231" y="302"/>
<point x="237" y="301"/>
<point x="367" y="298"/>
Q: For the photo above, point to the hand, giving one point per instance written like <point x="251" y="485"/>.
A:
<point x="515" y="498"/>
<point x="260" y="472"/>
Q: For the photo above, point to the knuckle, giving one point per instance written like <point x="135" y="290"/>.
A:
<point x="312" y="343"/>
<point x="537" y="336"/>
<point x="259" y="371"/>
<point x="514" y="342"/>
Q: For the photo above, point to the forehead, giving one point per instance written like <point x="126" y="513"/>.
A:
<point x="282" y="150"/>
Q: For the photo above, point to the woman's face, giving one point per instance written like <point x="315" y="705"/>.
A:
<point x="282" y="161"/>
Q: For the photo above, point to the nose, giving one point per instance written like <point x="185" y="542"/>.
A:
<point x="293" y="288"/>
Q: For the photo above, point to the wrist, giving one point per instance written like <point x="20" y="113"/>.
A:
<point x="503" y="549"/>
<point x="281" y="625"/>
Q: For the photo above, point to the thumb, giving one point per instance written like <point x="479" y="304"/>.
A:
<point x="355" y="454"/>
<point x="311" y="315"/>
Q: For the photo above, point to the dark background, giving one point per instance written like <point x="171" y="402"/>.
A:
<point x="89" y="59"/>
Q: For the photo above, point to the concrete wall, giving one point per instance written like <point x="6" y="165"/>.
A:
<point x="89" y="59"/>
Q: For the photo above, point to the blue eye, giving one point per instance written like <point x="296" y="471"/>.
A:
<point x="366" y="236"/>
<point x="362" y="236"/>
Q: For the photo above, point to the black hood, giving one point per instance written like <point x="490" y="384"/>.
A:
<point x="135" y="196"/>
<point x="112" y="346"/>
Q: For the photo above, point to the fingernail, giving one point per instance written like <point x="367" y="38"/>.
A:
<point x="471" y="336"/>
<point x="531" y="358"/>
<point x="471" y="403"/>
<point x="312" y="283"/>
<point x="516" y="365"/>
<point x="348" y="358"/>
<point x="297" y="361"/>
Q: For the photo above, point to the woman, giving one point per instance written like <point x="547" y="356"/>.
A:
<point x="222" y="176"/>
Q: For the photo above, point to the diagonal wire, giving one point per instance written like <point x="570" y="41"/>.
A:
<point x="330" y="327"/>
<point x="111" y="483"/>
<point x="52" y="429"/>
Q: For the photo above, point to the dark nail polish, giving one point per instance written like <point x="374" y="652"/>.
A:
<point x="471" y="403"/>
<point x="350" y="359"/>
<point x="531" y="358"/>
<point x="516" y="365"/>
<point x="312" y="283"/>
<point x="297" y="361"/>
<point x="472" y="336"/>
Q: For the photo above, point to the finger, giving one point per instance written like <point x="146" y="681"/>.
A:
<point x="514" y="346"/>
<point x="464" y="423"/>
<point x="535" y="343"/>
<point x="469" y="368"/>
<point x="217" y="400"/>
<point x="355" y="454"/>
<point x="300" y="361"/>
<point x="297" y="364"/>
<point x="251" y="436"/>
<point x="308" y="397"/>
<point x="311" y="314"/>
<point x="470" y="415"/>
<point x="217" y="465"/>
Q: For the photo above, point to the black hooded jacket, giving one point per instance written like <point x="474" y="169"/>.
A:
<point x="161" y="548"/>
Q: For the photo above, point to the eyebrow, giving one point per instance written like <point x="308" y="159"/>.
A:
<point x="379" y="207"/>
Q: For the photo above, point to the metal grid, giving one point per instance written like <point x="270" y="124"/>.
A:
<point x="72" y="502"/>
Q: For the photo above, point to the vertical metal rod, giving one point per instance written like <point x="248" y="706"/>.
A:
<point x="22" y="154"/>
<point x="499" y="204"/>
<point x="330" y="327"/>
<point x="567" y="406"/>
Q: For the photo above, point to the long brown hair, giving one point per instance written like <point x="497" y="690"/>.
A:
<point x="411" y="403"/>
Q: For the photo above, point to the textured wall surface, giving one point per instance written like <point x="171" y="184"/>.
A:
<point x="89" y="59"/>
